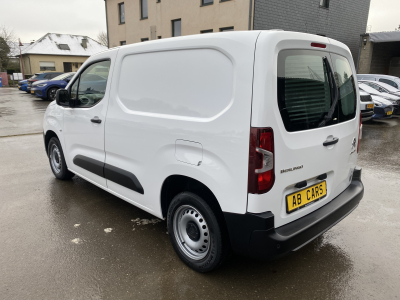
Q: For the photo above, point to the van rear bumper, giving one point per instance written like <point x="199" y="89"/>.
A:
<point x="254" y="234"/>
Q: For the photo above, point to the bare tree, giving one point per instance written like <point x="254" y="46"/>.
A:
<point x="7" y="44"/>
<point x="102" y="38"/>
<point x="7" y="34"/>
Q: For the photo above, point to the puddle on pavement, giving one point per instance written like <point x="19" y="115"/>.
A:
<point x="7" y="111"/>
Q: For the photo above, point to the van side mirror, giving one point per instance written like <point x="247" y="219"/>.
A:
<point x="67" y="79"/>
<point x="62" y="97"/>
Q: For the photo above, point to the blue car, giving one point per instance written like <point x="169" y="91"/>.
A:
<point x="47" y="89"/>
<point x="41" y="76"/>
<point x="22" y="85"/>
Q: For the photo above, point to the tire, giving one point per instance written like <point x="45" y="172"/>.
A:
<point x="57" y="160"/>
<point x="195" y="233"/>
<point x="51" y="93"/>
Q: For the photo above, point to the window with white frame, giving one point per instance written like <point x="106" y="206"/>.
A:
<point x="47" y="66"/>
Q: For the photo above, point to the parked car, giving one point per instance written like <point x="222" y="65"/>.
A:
<point x="382" y="87"/>
<point x="22" y="84"/>
<point x="395" y="100"/>
<point x="366" y="106"/>
<point x="46" y="89"/>
<point x="41" y="76"/>
<point x="388" y="79"/>
<point x="239" y="140"/>
<point x="383" y="109"/>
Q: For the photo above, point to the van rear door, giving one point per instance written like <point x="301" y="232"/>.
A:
<point x="312" y="109"/>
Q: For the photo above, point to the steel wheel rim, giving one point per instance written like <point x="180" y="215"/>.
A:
<point x="183" y="216"/>
<point x="55" y="158"/>
<point x="52" y="94"/>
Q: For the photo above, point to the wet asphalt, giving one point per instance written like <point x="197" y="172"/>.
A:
<point x="72" y="240"/>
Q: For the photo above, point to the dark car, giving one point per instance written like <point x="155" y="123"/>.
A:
<point x="47" y="89"/>
<point x="41" y="76"/>
<point x="383" y="108"/>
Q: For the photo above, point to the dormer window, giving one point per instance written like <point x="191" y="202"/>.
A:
<point x="63" y="46"/>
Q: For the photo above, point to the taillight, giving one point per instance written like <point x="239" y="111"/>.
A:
<point x="359" y="134"/>
<point x="261" y="160"/>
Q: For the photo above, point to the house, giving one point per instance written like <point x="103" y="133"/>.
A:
<point x="379" y="53"/>
<point x="59" y="53"/>
<point x="132" y="21"/>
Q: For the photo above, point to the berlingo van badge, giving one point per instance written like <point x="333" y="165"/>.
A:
<point x="292" y="169"/>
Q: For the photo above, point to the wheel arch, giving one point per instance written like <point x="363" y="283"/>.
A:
<point x="176" y="184"/>
<point x="47" y="137"/>
<point x="50" y="87"/>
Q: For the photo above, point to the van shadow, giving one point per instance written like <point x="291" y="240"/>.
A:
<point x="319" y="270"/>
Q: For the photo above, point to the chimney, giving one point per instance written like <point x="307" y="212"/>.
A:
<point x="84" y="43"/>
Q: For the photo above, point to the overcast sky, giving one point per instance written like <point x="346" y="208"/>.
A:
<point x="31" y="19"/>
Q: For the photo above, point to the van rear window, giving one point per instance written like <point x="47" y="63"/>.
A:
<point x="304" y="90"/>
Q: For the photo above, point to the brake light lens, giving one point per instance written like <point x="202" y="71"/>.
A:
<point x="359" y="134"/>
<point x="261" y="175"/>
<point x="318" y="45"/>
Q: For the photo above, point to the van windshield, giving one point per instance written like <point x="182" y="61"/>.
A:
<point x="304" y="91"/>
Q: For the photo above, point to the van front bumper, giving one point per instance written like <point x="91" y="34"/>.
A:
<point x="255" y="235"/>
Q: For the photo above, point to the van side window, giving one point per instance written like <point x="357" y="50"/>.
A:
<point x="345" y="80"/>
<point x="390" y="82"/>
<point x="91" y="84"/>
<point x="304" y="96"/>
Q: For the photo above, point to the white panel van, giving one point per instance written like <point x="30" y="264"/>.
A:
<point x="243" y="141"/>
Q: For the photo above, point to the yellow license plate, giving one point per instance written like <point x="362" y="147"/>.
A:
<point x="389" y="113"/>
<point x="370" y="105"/>
<point x="301" y="198"/>
<point x="32" y="92"/>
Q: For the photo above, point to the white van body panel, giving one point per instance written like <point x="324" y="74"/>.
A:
<point x="199" y="92"/>
<point x="53" y="121"/>
<point x="81" y="136"/>
<point x="301" y="148"/>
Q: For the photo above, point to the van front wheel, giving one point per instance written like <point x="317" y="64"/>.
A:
<point x="57" y="160"/>
<point x="195" y="233"/>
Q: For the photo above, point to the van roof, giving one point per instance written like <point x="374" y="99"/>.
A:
<point x="237" y="35"/>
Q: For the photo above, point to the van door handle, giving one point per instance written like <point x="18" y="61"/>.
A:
<point x="96" y="120"/>
<point x="331" y="142"/>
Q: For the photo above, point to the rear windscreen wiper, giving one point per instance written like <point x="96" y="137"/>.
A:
<point x="334" y="93"/>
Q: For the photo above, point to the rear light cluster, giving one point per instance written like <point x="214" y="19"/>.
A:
<point x="359" y="134"/>
<point x="261" y="176"/>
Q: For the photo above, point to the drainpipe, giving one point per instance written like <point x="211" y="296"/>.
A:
<point x="21" y="60"/>
<point x="250" y="8"/>
<point x="108" y="41"/>
<point x="359" y="52"/>
<point x="30" y="67"/>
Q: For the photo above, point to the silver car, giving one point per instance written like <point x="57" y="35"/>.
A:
<point x="395" y="100"/>
<point x="388" y="79"/>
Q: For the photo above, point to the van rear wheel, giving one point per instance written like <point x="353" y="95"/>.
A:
<point x="195" y="233"/>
